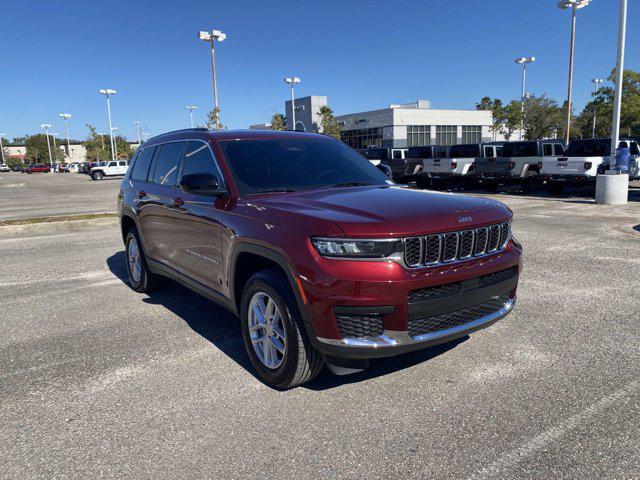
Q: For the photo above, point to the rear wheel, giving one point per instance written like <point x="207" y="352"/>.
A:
<point x="274" y="335"/>
<point x="490" y="186"/>
<point x="97" y="175"/>
<point x="423" y="181"/>
<point x="531" y="182"/>
<point x="140" y="277"/>
<point x="555" y="188"/>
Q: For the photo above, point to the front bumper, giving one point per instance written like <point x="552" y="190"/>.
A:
<point x="406" y="311"/>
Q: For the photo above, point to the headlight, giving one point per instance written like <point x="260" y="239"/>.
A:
<point x="352" y="248"/>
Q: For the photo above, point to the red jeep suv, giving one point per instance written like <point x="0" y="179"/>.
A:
<point x="324" y="259"/>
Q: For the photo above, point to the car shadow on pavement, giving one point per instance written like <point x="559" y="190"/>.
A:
<point x="222" y="329"/>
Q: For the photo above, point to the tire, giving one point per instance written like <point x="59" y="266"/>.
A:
<point x="469" y="183"/>
<point x="423" y="182"/>
<point x="531" y="183"/>
<point x="300" y="362"/>
<point x="146" y="281"/>
<point x="97" y="176"/>
<point x="490" y="186"/>
<point x="555" y="188"/>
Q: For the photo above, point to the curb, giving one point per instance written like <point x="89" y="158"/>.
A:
<point x="49" y="228"/>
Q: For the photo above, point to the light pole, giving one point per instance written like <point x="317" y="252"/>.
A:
<point x="137" y="124"/>
<point x="53" y="136"/>
<point x="113" y="139"/>
<point x="597" y="81"/>
<point x="292" y="81"/>
<point x="1" y="147"/>
<point x="523" y="61"/>
<point x="613" y="188"/>
<point x="191" y="108"/>
<point x="107" y="92"/>
<point x="574" y="5"/>
<point x="211" y="37"/>
<point x="66" y="117"/>
<point x="46" y="127"/>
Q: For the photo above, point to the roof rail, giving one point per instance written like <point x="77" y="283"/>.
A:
<point x="195" y="129"/>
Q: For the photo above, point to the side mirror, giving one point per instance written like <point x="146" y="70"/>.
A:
<point x="386" y="169"/>
<point x="202" y="184"/>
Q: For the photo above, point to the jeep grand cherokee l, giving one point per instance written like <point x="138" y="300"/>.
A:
<point x="323" y="258"/>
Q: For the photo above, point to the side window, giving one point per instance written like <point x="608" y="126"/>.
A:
<point x="498" y="151"/>
<point x="122" y="163"/>
<point x="397" y="154"/>
<point x="558" y="149"/>
<point x="167" y="161"/>
<point x="488" y="152"/>
<point x="198" y="159"/>
<point x="141" y="166"/>
<point x="112" y="164"/>
<point x="546" y="150"/>
<point x="634" y="150"/>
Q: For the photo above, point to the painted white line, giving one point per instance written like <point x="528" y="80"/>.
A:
<point x="539" y="442"/>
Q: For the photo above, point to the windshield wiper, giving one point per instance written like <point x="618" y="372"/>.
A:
<point x="269" y="190"/>
<point x="348" y="184"/>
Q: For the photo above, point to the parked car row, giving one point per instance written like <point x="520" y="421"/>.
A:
<point x="530" y="164"/>
<point x="97" y="170"/>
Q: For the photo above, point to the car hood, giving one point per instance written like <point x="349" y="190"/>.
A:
<point x="388" y="210"/>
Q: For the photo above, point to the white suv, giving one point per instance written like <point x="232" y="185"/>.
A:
<point x="115" y="168"/>
<point x="4" y="168"/>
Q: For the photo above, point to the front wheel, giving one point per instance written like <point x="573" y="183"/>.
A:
<point x="274" y="335"/>
<point x="97" y="176"/>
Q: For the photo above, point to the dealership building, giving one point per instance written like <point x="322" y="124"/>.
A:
<point x="397" y="126"/>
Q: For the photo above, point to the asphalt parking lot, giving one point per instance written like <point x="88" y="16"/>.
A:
<point x="43" y="194"/>
<point x="98" y="381"/>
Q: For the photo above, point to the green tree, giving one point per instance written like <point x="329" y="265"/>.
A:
<point x="98" y="146"/>
<point x="123" y="148"/>
<point x="511" y="118"/>
<point x="278" y="122"/>
<point x="328" y="122"/>
<point x="38" y="151"/>
<point x="542" y="118"/>
<point x="602" y="104"/>
<point x="213" y="119"/>
<point x="497" y="112"/>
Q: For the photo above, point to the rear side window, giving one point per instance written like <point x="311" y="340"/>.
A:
<point x="122" y="163"/>
<point x="198" y="159"/>
<point x="546" y="150"/>
<point x="167" y="162"/>
<point x="141" y="166"/>
<point x="558" y="149"/>
<point x="397" y="154"/>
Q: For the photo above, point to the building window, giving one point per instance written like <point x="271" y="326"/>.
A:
<point x="367" y="137"/>
<point x="471" y="134"/>
<point x="446" y="135"/>
<point x="418" y="135"/>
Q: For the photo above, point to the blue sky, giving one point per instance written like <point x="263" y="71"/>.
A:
<point x="362" y="54"/>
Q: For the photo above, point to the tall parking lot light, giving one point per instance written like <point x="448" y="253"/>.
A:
<point x="107" y="92"/>
<point x="53" y="136"/>
<point x="523" y="61"/>
<point x="191" y="108"/>
<point x="46" y="127"/>
<point x="574" y="5"/>
<point x="113" y="139"/>
<point x="137" y="124"/>
<point x="597" y="81"/>
<point x="212" y="37"/>
<point x="292" y="81"/>
<point x="613" y="188"/>
<point x="1" y="147"/>
<point x="66" y="117"/>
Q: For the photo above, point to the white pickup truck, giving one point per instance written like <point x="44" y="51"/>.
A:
<point x="460" y="161"/>
<point x="581" y="163"/>
<point x="114" y="168"/>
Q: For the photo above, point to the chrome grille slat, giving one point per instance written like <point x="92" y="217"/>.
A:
<point x="441" y="248"/>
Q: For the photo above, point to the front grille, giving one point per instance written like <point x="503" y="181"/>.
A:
<point x="457" y="287"/>
<point x="366" y="327"/>
<point x="422" y="326"/>
<point x="452" y="246"/>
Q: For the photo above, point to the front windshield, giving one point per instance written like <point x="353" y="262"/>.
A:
<point x="296" y="164"/>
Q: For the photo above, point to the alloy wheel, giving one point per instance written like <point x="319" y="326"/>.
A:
<point x="134" y="260"/>
<point x="266" y="330"/>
